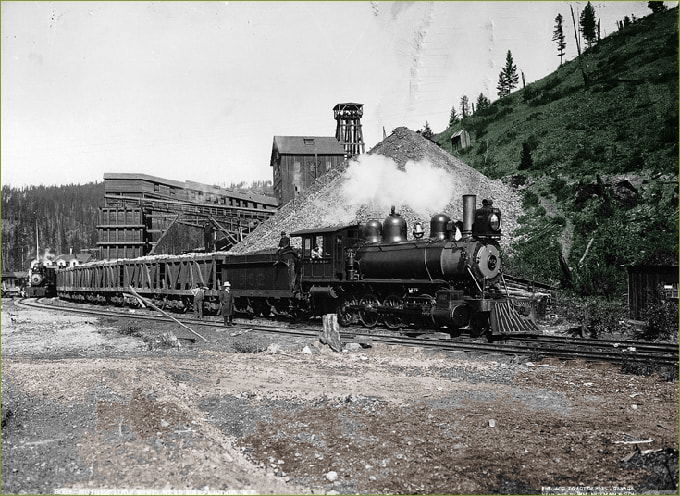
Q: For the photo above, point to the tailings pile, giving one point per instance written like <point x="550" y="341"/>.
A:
<point x="405" y="170"/>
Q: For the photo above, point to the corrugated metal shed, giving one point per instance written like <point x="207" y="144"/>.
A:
<point x="644" y="281"/>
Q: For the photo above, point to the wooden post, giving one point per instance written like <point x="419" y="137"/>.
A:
<point x="331" y="332"/>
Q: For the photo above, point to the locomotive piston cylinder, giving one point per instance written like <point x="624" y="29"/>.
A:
<point x="457" y="315"/>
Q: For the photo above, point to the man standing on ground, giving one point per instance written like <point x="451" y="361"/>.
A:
<point x="227" y="304"/>
<point x="199" y="295"/>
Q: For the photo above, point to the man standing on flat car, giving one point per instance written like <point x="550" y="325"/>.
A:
<point x="227" y="304"/>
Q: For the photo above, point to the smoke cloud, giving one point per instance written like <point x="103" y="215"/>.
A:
<point x="378" y="181"/>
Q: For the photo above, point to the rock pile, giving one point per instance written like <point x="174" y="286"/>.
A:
<point x="333" y="199"/>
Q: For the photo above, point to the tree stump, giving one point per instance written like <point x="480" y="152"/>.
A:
<point x="331" y="332"/>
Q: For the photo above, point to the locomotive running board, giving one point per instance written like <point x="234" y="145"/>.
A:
<point x="505" y="319"/>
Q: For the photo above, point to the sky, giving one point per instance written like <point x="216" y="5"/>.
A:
<point x="197" y="90"/>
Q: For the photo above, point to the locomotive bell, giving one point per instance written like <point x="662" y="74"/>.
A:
<point x="394" y="228"/>
<point x="439" y="226"/>
<point x="418" y="231"/>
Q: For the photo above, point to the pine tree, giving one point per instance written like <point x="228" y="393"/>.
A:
<point x="464" y="106"/>
<point x="453" y="118"/>
<point x="656" y="7"/>
<point x="558" y="36"/>
<point x="588" y="25"/>
<point x="427" y="132"/>
<point x="525" y="161"/>
<point x="483" y="102"/>
<point x="508" y="78"/>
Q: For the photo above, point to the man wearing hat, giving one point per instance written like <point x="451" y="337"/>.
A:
<point x="284" y="242"/>
<point x="227" y="304"/>
<point x="199" y="295"/>
<point x="284" y="247"/>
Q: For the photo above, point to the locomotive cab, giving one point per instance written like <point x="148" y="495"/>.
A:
<point x="324" y="251"/>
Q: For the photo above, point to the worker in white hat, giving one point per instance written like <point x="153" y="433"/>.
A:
<point x="227" y="304"/>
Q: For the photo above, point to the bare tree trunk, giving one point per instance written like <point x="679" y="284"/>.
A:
<point x="578" y="49"/>
<point x="580" y="262"/>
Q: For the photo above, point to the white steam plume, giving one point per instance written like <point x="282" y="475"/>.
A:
<point x="378" y="181"/>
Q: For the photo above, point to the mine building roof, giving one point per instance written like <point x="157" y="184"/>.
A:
<point x="308" y="145"/>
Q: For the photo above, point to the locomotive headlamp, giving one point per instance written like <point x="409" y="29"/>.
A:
<point x="487" y="221"/>
<point x="494" y="222"/>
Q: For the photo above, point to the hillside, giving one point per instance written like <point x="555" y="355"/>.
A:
<point x="602" y="189"/>
<point x="66" y="218"/>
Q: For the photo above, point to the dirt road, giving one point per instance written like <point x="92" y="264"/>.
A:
<point x="102" y="404"/>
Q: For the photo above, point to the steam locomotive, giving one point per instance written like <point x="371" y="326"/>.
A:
<point x="367" y="274"/>
<point x="42" y="281"/>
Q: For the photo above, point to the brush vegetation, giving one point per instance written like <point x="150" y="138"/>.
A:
<point x="595" y="158"/>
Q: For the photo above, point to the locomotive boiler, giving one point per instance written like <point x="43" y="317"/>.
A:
<point x="449" y="253"/>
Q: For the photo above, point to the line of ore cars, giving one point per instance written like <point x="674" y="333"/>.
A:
<point x="367" y="274"/>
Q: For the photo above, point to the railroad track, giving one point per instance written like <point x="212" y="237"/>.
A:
<point x="619" y="352"/>
<point x="189" y="321"/>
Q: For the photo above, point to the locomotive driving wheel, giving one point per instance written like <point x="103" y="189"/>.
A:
<point x="368" y="313"/>
<point x="346" y="311"/>
<point x="393" y="320"/>
<point x="425" y="320"/>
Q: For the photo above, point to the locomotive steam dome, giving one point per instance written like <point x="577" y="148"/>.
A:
<point x="372" y="231"/>
<point x="438" y="225"/>
<point x="394" y="228"/>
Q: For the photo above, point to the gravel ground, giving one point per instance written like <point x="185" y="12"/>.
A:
<point x="106" y="404"/>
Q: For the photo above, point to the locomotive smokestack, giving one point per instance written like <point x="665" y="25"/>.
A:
<point x="469" y="207"/>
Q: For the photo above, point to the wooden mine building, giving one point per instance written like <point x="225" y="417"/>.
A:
<point x="650" y="283"/>
<point x="297" y="161"/>
<point x="145" y="215"/>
